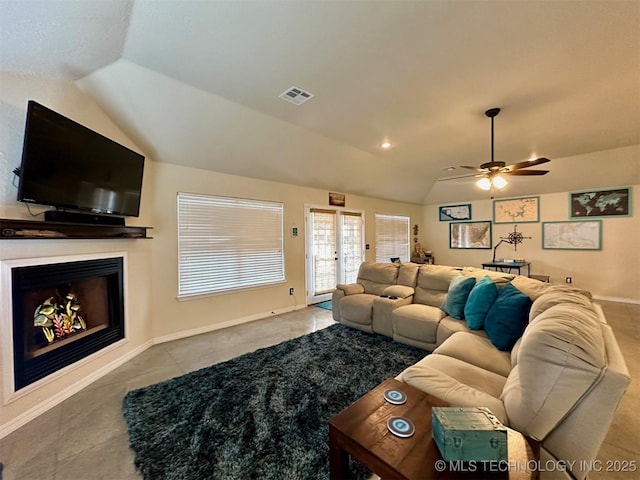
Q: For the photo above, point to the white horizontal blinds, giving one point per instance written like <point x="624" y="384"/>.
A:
<point x="324" y="250"/>
<point x="351" y="245"/>
<point x="392" y="237"/>
<point x="228" y="243"/>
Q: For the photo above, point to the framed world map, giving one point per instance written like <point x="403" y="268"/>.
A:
<point x="516" y="210"/>
<point x="600" y="203"/>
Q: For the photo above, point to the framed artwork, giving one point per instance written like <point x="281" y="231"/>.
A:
<point x="572" y="235"/>
<point x="337" y="199"/>
<point x="600" y="203"/>
<point x="455" y="212"/>
<point x="470" y="234"/>
<point x="516" y="210"/>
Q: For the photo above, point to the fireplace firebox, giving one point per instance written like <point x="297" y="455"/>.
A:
<point x="64" y="312"/>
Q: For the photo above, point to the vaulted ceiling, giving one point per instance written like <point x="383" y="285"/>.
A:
<point x="197" y="83"/>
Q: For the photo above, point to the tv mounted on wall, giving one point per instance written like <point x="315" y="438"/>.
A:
<point x="76" y="170"/>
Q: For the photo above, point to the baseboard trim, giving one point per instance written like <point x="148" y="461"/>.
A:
<point x="635" y="301"/>
<point x="218" y="326"/>
<point x="61" y="396"/>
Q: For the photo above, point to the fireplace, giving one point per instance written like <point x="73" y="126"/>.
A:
<point x="63" y="312"/>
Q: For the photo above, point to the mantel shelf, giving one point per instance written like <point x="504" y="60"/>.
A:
<point x="32" y="229"/>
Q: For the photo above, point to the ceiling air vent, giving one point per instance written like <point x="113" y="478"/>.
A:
<point x="295" y="95"/>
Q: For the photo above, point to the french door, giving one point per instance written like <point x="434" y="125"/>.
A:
<point x="334" y="250"/>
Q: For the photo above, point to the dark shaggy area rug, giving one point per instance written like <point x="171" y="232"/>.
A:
<point x="261" y="415"/>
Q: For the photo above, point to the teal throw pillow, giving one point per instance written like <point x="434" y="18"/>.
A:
<point x="479" y="302"/>
<point x="507" y="318"/>
<point x="459" y="290"/>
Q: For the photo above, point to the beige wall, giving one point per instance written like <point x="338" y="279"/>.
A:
<point x="171" y="316"/>
<point x="611" y="273"/>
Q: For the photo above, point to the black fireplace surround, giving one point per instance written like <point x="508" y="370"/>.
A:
<point x="33" y="357"/>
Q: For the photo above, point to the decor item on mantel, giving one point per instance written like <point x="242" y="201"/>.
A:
<point x="33" y="229"/>
<point x="491" y="174"/>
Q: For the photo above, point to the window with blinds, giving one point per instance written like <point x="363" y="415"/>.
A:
<point x="228" y="243"/>
<point x="392" y="237"/>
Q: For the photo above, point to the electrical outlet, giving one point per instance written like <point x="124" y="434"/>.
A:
<point x="568" y="280"/>
<point x="291" y="291"/>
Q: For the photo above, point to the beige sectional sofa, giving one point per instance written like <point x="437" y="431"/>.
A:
<point x="559" y="384"/>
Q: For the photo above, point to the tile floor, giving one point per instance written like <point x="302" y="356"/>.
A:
<point x="85" y="437"/>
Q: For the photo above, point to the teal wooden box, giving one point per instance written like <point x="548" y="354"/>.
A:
<point x="469" y="434"/>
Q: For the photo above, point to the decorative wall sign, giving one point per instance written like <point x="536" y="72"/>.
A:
<point x="600" y="203"/>
<point x="455" y="212"/>
<point x="516" y="210"/>
<point x="572" y="235"/>
<point x="336" y="199"/>
<point x="470" y="234"/>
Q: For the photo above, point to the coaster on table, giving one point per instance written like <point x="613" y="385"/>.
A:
<point x="395" y="397"/>
<point x="401" y="427"/>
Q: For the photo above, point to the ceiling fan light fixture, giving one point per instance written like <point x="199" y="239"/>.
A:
<point x="499" y="182"/>
<point x="484" y="183"/>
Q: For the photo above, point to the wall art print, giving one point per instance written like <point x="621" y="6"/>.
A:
<point x="516" y="210"/>
<point x="455" y="212"/>
<point x="470" y="234"/>
<point x="572" y="235"/>
<point x="600" y="203"/>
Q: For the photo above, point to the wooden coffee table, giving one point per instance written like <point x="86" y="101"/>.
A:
<point x="360" y="431"/>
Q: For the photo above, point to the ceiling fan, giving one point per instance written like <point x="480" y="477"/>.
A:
<point x="491" y="174"/>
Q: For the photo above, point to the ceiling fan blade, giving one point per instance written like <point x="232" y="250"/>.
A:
<point x="526" y="163"/>
<point x="458" y="177"/>
<point x="472" y="168"/>
<point x="528" y="172"/>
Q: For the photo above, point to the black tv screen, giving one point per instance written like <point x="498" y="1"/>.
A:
<point x="69" y="166"/>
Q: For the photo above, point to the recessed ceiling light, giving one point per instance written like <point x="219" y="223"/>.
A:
<point x="385" y="145"/>
<point x="449" y="169"/>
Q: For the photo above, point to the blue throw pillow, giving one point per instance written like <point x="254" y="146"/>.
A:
<point x="459" y="289"/>
<point x="479" y="302"/>
<point x="507" y="317"/>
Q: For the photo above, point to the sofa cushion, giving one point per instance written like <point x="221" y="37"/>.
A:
<point x="457" y="383"/>
<point x="433" y="284"/>
<point x="481" y="297"/>
<point x="408" y="274"/>
<point x="530" y="287"/>
<point x="555" y="297"/>
<point x="499" y="278"/>
<point x="449" y="325"/>
<point x="375" y="277"/>
<point x="459" y="290"/>
<point x="357" y="308"/>
<point x="476" y="350"/>
<point x="508" y="317"/>
<point x="418" y="322"/>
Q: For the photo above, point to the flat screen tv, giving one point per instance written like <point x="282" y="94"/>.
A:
<point x="72" y="168"/>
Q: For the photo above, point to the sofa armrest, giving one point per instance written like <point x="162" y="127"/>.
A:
<point x="350" y="289"/>
<point x="398" y="291"/>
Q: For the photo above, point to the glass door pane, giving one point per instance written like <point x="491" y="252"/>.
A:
<point x="351" y="247"/>
<point x="323" y="251"/>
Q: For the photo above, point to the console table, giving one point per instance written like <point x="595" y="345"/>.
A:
<point x="360" y="431"/>
<point x="508" y="266"/>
